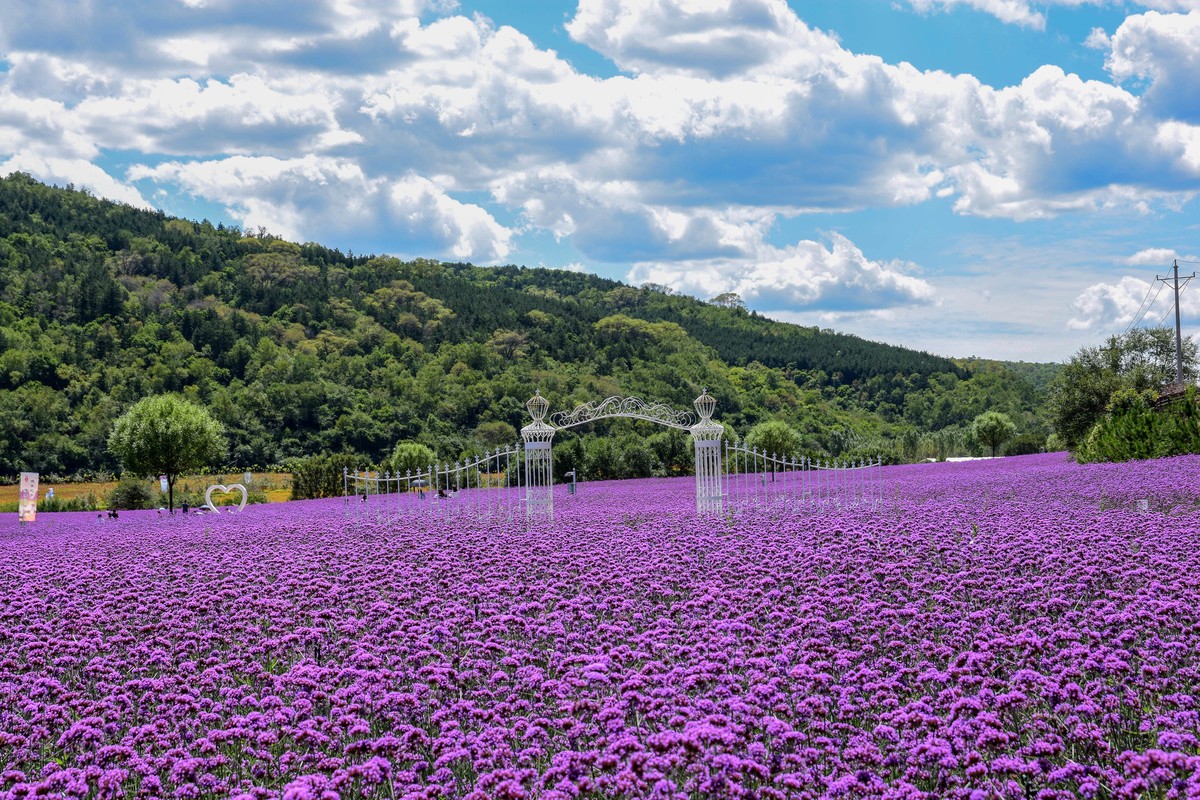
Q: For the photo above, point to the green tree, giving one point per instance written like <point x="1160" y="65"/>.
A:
<point x="672" y="451"/>
<point x="1143" y="358"/>
<point x="602" y="459"/>
<point x="1133" y="430"/>
<point x="167" y="435"/>
<point x="495" y="434"/>
<point x="945" y="443"/>
<point x="774" y="437"/>
<point x="411" y="457"/>
<point x="991" y="428"/>
<point x="569" y="456"/>
<point x="637" y="459"/>
<point x="321" y="475"/>
<point x="510" y="344"/>
<point x="728" y="300"/>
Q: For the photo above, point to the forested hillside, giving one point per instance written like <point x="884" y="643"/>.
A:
<point x="299" y="349"/>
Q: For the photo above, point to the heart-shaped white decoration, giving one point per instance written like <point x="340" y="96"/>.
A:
<point x="220" y="487"/>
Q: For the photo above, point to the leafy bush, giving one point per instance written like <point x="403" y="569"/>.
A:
<point x="603" y="460"/>
<point x="130" y="494"/>
<point x="1026" y="444"/>
<point x="1123" y="436"/>
<point x="321" y="476"/>
<point x="637" y="459"/>
<point x="1123" y="400"/>
<point x="411" y="457"/>
<point x="1134" y="432"/>
<point x="87" y="503"/>
<point x="888" y="455"/>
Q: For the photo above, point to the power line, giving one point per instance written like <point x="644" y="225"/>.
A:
<point x="1144" y="309"/>
<point x="1141" y="305"/>
<point x="1167" y="313"/>
<point x="1178" y="334"/>
<point x="1163" y="318"/>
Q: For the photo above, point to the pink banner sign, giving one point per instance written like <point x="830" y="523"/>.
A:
<point x="27" y="497"/>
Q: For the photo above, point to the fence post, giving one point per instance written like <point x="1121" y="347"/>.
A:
<point x="706" y="441"/>
<point x="539" y="460"/>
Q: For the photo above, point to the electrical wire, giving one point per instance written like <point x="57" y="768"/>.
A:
<point x="1171" y="308"/>
<point x="1142" y="307"/>
<point x="1146" y="310"/>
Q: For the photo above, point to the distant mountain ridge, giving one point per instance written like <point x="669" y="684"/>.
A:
<point x="300" y="348"/>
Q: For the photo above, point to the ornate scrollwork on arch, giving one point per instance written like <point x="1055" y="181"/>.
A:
<point x="633" y="407"/>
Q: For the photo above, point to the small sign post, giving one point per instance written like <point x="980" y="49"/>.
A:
<point x="27" y="497"/>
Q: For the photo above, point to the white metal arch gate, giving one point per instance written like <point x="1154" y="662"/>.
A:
<point x="539" y="438"/>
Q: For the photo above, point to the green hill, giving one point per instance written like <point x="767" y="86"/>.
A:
<point x="300" y="349"/>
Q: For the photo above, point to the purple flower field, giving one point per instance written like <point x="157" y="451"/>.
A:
<point x="1007" y="628"/>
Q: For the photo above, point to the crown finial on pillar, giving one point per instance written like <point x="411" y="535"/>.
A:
<point x="537" y="406"/>
<point x="705" y="405"/>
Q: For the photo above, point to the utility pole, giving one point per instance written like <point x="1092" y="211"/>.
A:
<point x="1178" y="335"/>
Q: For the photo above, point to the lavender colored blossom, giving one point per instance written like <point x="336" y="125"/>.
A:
<point x="1009" y="628"/>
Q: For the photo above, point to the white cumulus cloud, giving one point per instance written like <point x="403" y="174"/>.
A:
<point x="1152" y="257"/>
<point x="1029" y="14"/>
<point x="333" y="200"/>
<point x="1108" y="305"/>
<point x="710" y="37"/>
<point x="1135" y="301"/>
<point x="1164" y="50"/>
<point x="245" y="114"/>
<point x="805" y="275"/>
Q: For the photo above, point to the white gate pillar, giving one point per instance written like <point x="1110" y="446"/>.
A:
<point x="539" y="464"/>
<point x="706" y="438"/>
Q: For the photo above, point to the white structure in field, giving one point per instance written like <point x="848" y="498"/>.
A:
<point x="539" y="463"/>
<point x="220" y="487"/>
<point x="706" y="440"/>
<point x="518" y="480"/>
<point x="539" y="438"/>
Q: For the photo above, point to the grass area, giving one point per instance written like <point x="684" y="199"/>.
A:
<point x="277" y="486"/>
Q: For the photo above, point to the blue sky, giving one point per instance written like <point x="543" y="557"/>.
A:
<point x="1000" y="178"/>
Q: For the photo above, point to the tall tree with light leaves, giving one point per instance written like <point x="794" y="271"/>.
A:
<point x="167" y="435"/>
<point x="993" y="429"/>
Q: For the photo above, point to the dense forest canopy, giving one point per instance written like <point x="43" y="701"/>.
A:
<point x="301" y="349"/>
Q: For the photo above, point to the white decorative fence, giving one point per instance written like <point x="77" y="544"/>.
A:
<point x="490" y="486"/>
<point x="755" y="478"/>
<point x="517" y="482"/>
